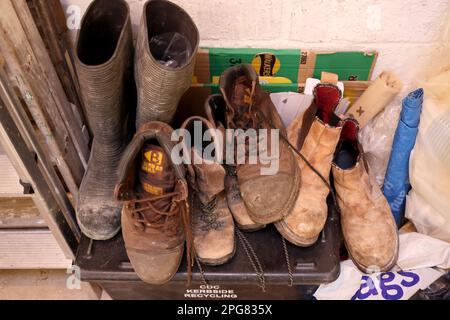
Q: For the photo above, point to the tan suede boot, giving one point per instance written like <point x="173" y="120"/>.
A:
<point x="303" y="226"/>
<point x="155" y="215"/>
<point x="212" y="222"/>
<point x="268" y="196"/>
<point x="215" y="109"/>
<point x="369" y="229"/>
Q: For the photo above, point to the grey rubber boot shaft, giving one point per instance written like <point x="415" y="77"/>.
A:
<point x="103" y="58"/>
<point x="160" y="88"/>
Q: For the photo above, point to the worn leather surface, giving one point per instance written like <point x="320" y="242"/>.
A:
<point x="215" y="109"/>
<point x="250" y="107"/>
<point x="307" y="219"/>
<point x="103" y="66"/>
<point x="212" y="222"/>
<point x="154" y="252"/>
<point x="316" y="139"/>
<point x="368" y="226"/>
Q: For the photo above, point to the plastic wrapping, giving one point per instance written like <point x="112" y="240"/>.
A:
<point x="171" y="49"/>
<point x="428" y="203"/>
<point x="396" y="182"/>
<point x="377" y="137"/>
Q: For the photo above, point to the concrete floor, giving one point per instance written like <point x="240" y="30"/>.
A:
<point x="43" y="285"/>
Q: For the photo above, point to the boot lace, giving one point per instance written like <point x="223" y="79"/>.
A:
<point x="210" y="215"/>
<point x="162" y="220"/>
<point x="235" y="192"/>
<point x="231" y="171"/>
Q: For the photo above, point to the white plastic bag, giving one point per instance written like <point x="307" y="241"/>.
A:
<point x="428" y="203"/>
<point x="376" y="139"/>
<point x="418" y="255"/>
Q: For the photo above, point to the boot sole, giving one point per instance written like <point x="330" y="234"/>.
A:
<point x="97" y="237"/>
<point x="386" y="268"/>
<point x="219" y="261"/>
<point x="287" y="209"/>
<point x="251" y="228"/>
<point x="292" y="237"/>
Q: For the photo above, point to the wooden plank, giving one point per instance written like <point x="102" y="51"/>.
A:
<point x="30" y="69"/>
<point x="20" y="213"/>
<point x="51" y="22"/>
<point x="17" y="139"/>
<point x="9" y="186"/>
<point x="42" y="202"/>
<point x="55" y="87"/>
<point x="27" y="139"/>
<point x="31" y="249"/>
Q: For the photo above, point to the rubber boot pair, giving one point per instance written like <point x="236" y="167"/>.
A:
<point x="103" y="61"/>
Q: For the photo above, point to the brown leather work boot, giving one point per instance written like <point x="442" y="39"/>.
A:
<point x="212" y="222"/>
<point x="369" y="229"/>
<point x="215" y="109"/>
<point x="155" y="216"/>
<point x="269" y="187"/>
<point x="315" y="134"/>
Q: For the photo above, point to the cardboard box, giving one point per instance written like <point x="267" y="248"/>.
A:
<point x="193" y="101"/>
<point x="281" y="67"/>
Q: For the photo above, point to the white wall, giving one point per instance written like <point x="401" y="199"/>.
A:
<point x="412" y="36"/>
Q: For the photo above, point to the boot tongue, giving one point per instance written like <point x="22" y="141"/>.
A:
<point x="156" y="176"/>
<point x="241" y="100"/>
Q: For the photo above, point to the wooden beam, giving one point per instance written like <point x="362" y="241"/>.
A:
<point x="20" y="213"/>
<point x="45" y="176"/>
<point x="51" y="22"/>
<point x="47" y="68"/>
<point x="29" y="68"/>
<point x="15" y="147"/>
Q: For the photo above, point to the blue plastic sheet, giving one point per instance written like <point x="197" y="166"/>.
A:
<point x="396" y="182"/>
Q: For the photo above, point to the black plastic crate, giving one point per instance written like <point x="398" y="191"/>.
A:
<point x="106" y="263"/>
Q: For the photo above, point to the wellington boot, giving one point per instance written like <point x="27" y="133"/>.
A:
<point x="166" y="51"/>
<point x="103" y="65"/>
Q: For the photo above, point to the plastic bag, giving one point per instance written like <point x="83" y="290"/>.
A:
<point x="376" y="139"/>
<point x="171" y="49"/>
<point x="428" y="203"/>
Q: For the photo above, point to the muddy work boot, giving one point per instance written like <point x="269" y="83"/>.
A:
<point x="102" y="59"/>
<point x="155" y="215"/>
<point x="315" y="134"/>
<point x="212" y="222"/>
<point x="269" y="186"/>
<point x="369" y="229"/>
<point x="215" y="109"/>
<point x="166" y="50"/>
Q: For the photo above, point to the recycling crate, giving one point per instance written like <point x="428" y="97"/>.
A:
<point x="106" y="263"/>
